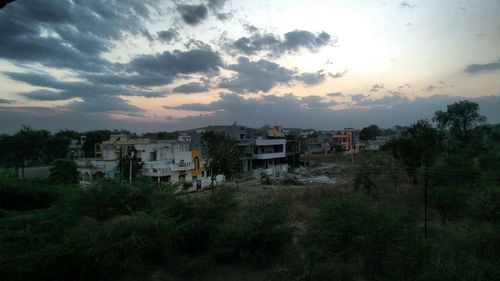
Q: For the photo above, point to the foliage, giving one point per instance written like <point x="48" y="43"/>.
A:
<point x="460" y="117"/>
<point x="372" y="167"/>
<point x="369" y="133"/>
<point x="484" y="203"/>
<point x="446" y="199"/>
<point x="418" y="146"/>
<point x="91" y="139"/>
<point x="258" y="233"/>
<point x="21" y="195"/>
<point x="130" y="163"/>
<point x="64" y="171"/>
<point x="223" y="155"/>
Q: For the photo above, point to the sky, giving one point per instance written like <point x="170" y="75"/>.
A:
<point x="156" y="65"/>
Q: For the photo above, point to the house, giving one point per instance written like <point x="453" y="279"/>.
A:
<point x="268" y="156"/>
<point x="346" y="140"/>
<point x="163" y="160"/>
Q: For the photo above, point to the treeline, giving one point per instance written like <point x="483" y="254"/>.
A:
<point x="30" y="147"/>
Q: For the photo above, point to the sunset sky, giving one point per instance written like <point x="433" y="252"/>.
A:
<point x="165" y="65"/>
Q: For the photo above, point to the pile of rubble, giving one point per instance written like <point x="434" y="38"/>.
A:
<point x="317" y="174"/>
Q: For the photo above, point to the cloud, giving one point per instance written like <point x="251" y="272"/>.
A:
<point x="190" y="88"/>
<point x="385" y="101"/>
<point x="358" y="97"/>
<point x="63" y="90"/>
<point x="54" y="119"/>
<point x="69" y="33"/>
<point x="404" y="86"/>
<point x="288" y="110"/>
<point x="430" y="88"/>
<point x="375" y="88"/>
<point x="193" y="14"/>
<point x="406" y="5"/>
<point x="276" y="46"/>
<point x="6" y="101"/>
<point x="255" y="76"/>
<point x="338" y="74"/>
<point x="314" y="112"/>
<point x="168" y="35"/>
<point x="316" y="102"/>
<point x="176" y="62"/>
<point x="216" y="5"/>
<point x="483" y="68"/>
<point x="312" y="78"/>
<point x="100" y="104"/>
<point x="335" y="94"/>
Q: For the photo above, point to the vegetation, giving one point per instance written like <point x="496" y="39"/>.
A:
<point x="223" y="155"/>
<point x="369" y="133"/>
<point x="370" y="229"/>
<point x="64" y="171"/>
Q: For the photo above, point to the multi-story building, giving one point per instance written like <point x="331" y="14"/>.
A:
<point x="163" y="160"/>
<point x="268" y="156"/>
<point x="346" y="139"/>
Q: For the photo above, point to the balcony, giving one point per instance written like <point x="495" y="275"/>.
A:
<point x="264" y="156"/>
<point x="160" y="168"/>
<point x="182" y="166"/>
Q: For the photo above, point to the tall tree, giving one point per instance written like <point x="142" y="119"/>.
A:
<point x="93" y="137"/>
<point x="224" y="156"/>
<point x="369" y="133"/>
<point x="460" y="118"/>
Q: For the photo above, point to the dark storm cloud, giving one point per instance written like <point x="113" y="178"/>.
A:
<point x="133" y="79"/>
<point x="276" y="46"/>
<point x="168" y="35"/>
<point x="176" y="62"/>
<point x="64" y="90"/>
<point x="255" y="76"/>
<point x="191" y="88"/>
<point x="483" y="68"/>
<point x="68" y="34"/>
<point x="193" y="14"/>
<point x="312" y="78"/>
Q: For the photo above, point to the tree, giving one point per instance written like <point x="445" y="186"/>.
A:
<point x="445" y="199"/>
<point x="460" y="117"/>
<point x="130" y="159"/>
<point x="64" y="171"/>
<point x="91" y="139"/>
<point x="371" y="167"/>
<point x="29" y="145"/>
<point x="418" y="146"/>
<point x="369" y="133"/>
<point x="223" y="155"/>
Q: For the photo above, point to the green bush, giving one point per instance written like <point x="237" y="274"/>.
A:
<point x="22" y="195"/>
<point x="257" y="234"/>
